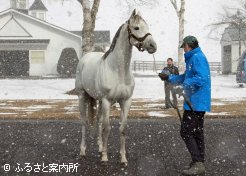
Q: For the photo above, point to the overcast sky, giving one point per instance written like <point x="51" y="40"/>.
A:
<point x="161" y="18"/>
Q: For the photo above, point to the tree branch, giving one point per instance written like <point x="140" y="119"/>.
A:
<point x="133" y="3"/>
<point x="94" y="11"/>
<point x="182" y="7"/>
<point x="174" y="3"/>
<point x="85" y="4"/>
<point x="142" y="2"/>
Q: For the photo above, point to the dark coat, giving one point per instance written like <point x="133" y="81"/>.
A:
<point x="172" y="70"/>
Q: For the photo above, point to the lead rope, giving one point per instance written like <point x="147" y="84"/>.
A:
<point x="155" y="64"/>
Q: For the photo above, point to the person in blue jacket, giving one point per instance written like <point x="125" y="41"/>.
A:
<point x="196" y="83"/>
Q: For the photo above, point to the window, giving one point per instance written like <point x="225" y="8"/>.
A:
<point x="34" y="14"/>
<point x="37" y="57"/>
<point x="21" y="4"/>
<point x="227" y="49"/>
<point x="41" y="16"/>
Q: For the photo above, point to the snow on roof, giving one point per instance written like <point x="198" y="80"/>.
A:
<point x="233" y="34"/>
<point x="40" y="21"/>
<point x="101" y="37"/>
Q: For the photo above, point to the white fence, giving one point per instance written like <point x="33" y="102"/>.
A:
<point x="150" y="66"/>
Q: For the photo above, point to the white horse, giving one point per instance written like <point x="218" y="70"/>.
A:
<point x="108" y="79"/>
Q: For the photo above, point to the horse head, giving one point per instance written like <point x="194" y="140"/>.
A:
<point x="138" y="33"/>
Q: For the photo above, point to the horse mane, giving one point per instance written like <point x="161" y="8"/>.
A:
<point x="112" y="46"/>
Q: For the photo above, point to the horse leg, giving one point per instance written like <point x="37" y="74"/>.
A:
<point x="83" y="117"/>
<point x="100" y="119"/>
<point x="106" y="128"/>
<point x="125" y="107"/>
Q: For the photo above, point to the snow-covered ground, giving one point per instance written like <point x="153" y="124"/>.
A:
<point x="223" y="87"/>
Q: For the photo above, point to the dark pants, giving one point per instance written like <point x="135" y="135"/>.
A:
<point x="168" y="90"/>
<point x="192" y="134"/>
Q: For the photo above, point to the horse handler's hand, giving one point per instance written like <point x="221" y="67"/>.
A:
<point x="179" y="90"/>
<point x="164" y="77"/>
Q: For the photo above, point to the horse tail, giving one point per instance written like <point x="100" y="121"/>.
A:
<point x="92" y="110"/>
<point x="91" y="106"/>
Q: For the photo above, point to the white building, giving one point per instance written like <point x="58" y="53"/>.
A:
<point x="230" y="48"/>
<point x="29" y="45"/>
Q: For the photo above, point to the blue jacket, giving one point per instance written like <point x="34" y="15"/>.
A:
<point x="196" y="80"/>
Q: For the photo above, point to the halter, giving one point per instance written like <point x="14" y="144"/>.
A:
<point x="139" y="39"/>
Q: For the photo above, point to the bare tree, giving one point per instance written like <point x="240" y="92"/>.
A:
<point x="132" y="3"/>
<point x="90" y="9"/>
<point x="236" y="21"/>
<point x="180" y="13"/>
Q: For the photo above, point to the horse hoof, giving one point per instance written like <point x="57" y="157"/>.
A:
<point x="124" y="164"/>
<point x="123" y="159"/>
<point x="82" y="153"/>
<point x="104" y="159"/>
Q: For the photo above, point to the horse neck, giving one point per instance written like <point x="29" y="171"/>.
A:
<point x="121" y="55"/>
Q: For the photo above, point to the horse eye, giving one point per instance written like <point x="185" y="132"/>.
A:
<point x="136" y="28"/>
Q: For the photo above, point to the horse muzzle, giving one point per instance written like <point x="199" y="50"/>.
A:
<point x="151" y="46"/>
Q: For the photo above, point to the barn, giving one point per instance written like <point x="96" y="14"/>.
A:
<point x="31" y="46"/>
<point x="232" y="40"/>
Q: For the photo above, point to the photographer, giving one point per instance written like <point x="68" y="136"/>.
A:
<point x="169" y="87"/>
<point x="196" y="82"/>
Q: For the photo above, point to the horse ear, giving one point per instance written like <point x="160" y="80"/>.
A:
<point x="133" y="13"/>
<point x="139" y="14"/>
